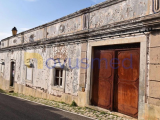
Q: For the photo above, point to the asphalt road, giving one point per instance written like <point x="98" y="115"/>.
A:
<point x="16" y="109"/>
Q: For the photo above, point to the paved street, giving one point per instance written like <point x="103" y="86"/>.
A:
<point x="16" y="109"/>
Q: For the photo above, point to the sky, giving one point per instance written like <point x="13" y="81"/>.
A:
<point x="27" y="14"/>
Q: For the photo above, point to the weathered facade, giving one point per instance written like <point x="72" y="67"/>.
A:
<point x="72" y="41"/>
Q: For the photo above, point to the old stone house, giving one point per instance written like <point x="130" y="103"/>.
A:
<point x="105" y="56"/>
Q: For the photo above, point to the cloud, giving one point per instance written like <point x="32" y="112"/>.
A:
<point x="24" y="29"/>
<point x="4" y="35"/>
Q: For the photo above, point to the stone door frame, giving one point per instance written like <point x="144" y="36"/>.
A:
<point x="142" y="39"/>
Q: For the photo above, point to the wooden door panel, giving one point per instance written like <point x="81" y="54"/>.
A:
<point x="103" y="76"/>
<point x="129" y="63"/>
<point x="127" y="82"/>
<point x="105" y="94"/>
<point x="127" y="98"/>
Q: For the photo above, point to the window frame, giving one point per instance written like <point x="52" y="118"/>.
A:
<point x="59" y="77"/>
<point x="28" y="81"/>
<point x="156" y="6"/>
<point x="53" y="76"/>
<point x="2" y="67"/>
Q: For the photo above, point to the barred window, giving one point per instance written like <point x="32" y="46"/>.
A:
<point x="58" y="77"/>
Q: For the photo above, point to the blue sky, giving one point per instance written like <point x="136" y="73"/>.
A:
<point x="26" y="14"/>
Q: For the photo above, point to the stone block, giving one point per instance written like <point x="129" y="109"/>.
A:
<point x="38" y="94"/>
<point x="48" y="95"/>
<point x="68" y="99"/>
<point x="83" y="65"/>
<point x="51" y="97"/>
<point x="154" y="55"/>
<point x="82" y="80"/>
<point x="1" y="81"/>
<point x="27" y="91"/>
<point x="30" y="91"/>
<point x="33" y="92"/>
<point x="20" y="90"/>
<point x="155" y="39"/>
<point x="3" y="87"/>
<point x="81" y="99"/>
<point x="151" y="112"/>
<point x="154" y="101"/>
<point x="83" y="69"/>
<point x="154" y="88"/>
<point x="154" y="72"/>
<point x="75" y="98"/>
<point x="84" y="47"/>
<point x="15" y="87"/>
<point x="83" y="56"/>
<point x="6" y="84"/>
<point x="24" y="90"/>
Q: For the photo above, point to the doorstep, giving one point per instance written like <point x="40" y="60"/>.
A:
<point x="112" y="112"/>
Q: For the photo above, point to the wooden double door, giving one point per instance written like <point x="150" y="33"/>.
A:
<point x="116" y="79"/>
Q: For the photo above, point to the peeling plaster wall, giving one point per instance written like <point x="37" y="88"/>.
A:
<point x="7" y="66"/>
<point x="38" y="34"/>
<point x="4" y="44"/>
<point x="41" y="77"/>
<point x="15" y="41"/>
<point x="119" y="12"/>
<point x="70" y="26"/>
<point x="74" y="54"/>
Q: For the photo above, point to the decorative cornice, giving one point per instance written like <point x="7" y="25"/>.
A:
<point x="128" y="27"/>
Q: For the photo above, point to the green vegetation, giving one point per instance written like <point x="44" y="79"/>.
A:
<point x="73" y="104"/>
<point x="2" y="91"/>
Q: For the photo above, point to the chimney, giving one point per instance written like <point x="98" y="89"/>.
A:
<point x="14" y="31"/>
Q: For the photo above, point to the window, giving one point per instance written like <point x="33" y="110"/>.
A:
<point x="2" y="67"/>
<point x="29" y="73"/>
<point x="58" y="77"/>
<point x="85" y="21"/>
<point x="31" y="38"/>
<point x="156" y="5"/>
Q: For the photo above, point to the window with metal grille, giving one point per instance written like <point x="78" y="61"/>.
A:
<point x="58" y="77"/>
